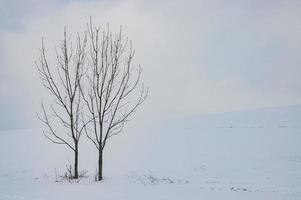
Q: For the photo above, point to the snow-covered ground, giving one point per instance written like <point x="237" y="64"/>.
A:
<point x="252" y="154"/>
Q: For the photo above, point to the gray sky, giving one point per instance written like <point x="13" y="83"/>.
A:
<point x="198" y="56"/>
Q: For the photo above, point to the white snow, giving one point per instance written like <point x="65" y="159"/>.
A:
<point x="252" y="154"/>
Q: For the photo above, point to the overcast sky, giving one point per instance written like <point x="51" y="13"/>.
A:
<point x="198" y="56"/>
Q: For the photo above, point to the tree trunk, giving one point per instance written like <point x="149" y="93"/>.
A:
<point x="100" y="164"/>
<point x="76" y="162"/>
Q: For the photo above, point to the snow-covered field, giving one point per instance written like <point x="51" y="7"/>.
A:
<point x="253" y="154"/>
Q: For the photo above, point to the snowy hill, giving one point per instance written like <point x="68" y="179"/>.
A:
<point x="253" y="154"/>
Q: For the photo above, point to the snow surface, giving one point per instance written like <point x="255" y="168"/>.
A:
<point x="252" y="154"/>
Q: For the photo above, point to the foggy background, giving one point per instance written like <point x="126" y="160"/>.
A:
<point x="197" y="56"/>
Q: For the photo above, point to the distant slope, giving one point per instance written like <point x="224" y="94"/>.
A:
<point x="273" y="116"/>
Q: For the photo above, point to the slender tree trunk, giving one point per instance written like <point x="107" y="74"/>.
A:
<point x="100" y="164"/>
<point x="76" y="162"/>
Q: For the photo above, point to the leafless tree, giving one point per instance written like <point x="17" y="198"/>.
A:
<point x="113" y="91"/>
<point x="63" y="83"/>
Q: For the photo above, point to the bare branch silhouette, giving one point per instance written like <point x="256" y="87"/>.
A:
<point x="110" y="86"/>
<point x="63" y="83"/>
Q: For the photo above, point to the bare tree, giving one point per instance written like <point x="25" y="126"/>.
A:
<point x="63" y="83"/>
<point x="113" y="91"/>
